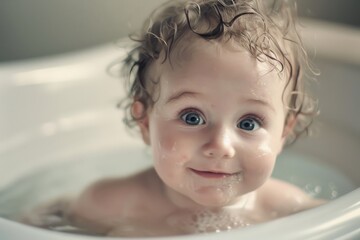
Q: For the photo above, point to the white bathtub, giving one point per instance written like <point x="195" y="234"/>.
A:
<point x="60" y="130"/>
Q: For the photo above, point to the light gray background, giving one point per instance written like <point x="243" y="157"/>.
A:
<point x="32" y="28"/>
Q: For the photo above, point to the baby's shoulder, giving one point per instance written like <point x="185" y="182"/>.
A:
<point x="111" y="198"/>
<point x="284" y="198"/>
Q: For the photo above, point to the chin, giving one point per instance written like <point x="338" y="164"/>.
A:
<point x="216" y="199"/>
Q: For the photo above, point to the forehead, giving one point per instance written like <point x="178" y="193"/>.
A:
<point x="199" y="61"/>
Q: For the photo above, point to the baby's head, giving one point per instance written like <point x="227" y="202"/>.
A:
<point x="265" y="29"/>
<point x="216" y="91"/>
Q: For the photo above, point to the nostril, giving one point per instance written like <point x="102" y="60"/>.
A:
<point x="220" y="152"/>
<point x="209" y="153"/>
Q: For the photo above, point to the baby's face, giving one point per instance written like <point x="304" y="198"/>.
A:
<point x="217" y="127"/>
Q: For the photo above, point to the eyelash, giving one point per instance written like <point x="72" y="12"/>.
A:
<point x="261" y="120"/>
<point x="189" y="110"/>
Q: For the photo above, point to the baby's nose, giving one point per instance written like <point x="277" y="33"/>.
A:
<point x="220" y="144"/>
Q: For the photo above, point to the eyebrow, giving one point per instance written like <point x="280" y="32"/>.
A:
<point x="181" y="94"/>
<point x="261" y="102"/>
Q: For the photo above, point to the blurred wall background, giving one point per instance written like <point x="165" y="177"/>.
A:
<point x="35" y="28"/>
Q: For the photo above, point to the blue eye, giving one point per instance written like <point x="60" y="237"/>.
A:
<point x="248" y="124"/>
<point x="192" y="118"/>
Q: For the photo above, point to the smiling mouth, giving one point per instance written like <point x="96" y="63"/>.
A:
<point x="211" y="174"/>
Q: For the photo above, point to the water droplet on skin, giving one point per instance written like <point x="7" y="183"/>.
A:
<point x="253" y="93"/>
<point x="263" y="150"/>
<point x="173" y="148"/>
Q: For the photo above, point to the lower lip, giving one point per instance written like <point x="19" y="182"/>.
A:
<point x="206" y="174"/>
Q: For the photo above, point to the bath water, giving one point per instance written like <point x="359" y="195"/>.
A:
<point x="71" y="176"/>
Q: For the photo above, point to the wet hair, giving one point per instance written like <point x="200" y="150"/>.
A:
<point x="266" y="29"/>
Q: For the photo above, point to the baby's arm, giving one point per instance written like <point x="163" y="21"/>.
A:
<point x="82" y="212"/>
<point x="48" y="215"/>
<point x="101" y="207"/>
<point x="284" y="199"/>
<point x="107" y="204"/>
<point x="96" y="207"/>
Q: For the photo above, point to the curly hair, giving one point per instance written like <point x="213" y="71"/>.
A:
<point x="267" y="29"/>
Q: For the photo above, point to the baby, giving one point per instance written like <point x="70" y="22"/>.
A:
<point x="216" y="91"/>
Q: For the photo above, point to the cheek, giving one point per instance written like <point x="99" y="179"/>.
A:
<point x="261" y="160"/>
<point x="266" y="155"/>
<point x="169" y="147"/>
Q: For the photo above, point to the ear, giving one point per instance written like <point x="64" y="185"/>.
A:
<point x="138" y="112"/>
<point x="290" y="123"/>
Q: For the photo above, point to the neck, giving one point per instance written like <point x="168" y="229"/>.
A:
<point x="181" y="201"/>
